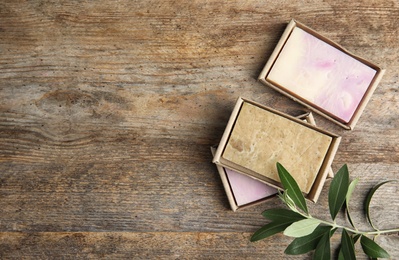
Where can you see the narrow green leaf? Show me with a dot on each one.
(351, 188)
(288, 201)
(270, 229)
(341, 255)
(356, 238)
(292, 188)
(302, 227)
(282, 215)
(347, 246)
(372, 249)
(368, 200)
(303, 245)
(348, 197)
(338, 190)
(280, 194)
(323, 250)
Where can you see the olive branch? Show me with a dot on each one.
(314, 234)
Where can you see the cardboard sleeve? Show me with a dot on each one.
(311, 106)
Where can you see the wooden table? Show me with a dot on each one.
(108, 110)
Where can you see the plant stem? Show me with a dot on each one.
(355, 231)
(334, 225)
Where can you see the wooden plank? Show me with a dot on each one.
(186, 245)
(169, 245)
(133, 245)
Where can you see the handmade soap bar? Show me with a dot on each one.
(246, 189)
(311, 69)
(261, 138)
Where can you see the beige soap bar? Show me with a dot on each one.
(261, 138)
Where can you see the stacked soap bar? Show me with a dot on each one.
(321, 74)
(246, 189)
(261, 138)
(243, 191)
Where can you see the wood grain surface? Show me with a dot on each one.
(108, 110)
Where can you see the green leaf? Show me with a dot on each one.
(347, 246)
(323, 250)
(351, 188)
(338, 190)
(270, 230)
(341, 255)
(372, 249)
(356, 238)
(302, 227)
(368, 200)
(287, 200)
(303, 245)
(348, 197)
(292, 188)
(282, 215)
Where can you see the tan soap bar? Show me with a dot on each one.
(261, 138)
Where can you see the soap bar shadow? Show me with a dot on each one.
(270, 47)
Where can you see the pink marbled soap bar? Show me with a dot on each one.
(246, 189)
(321, 74)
